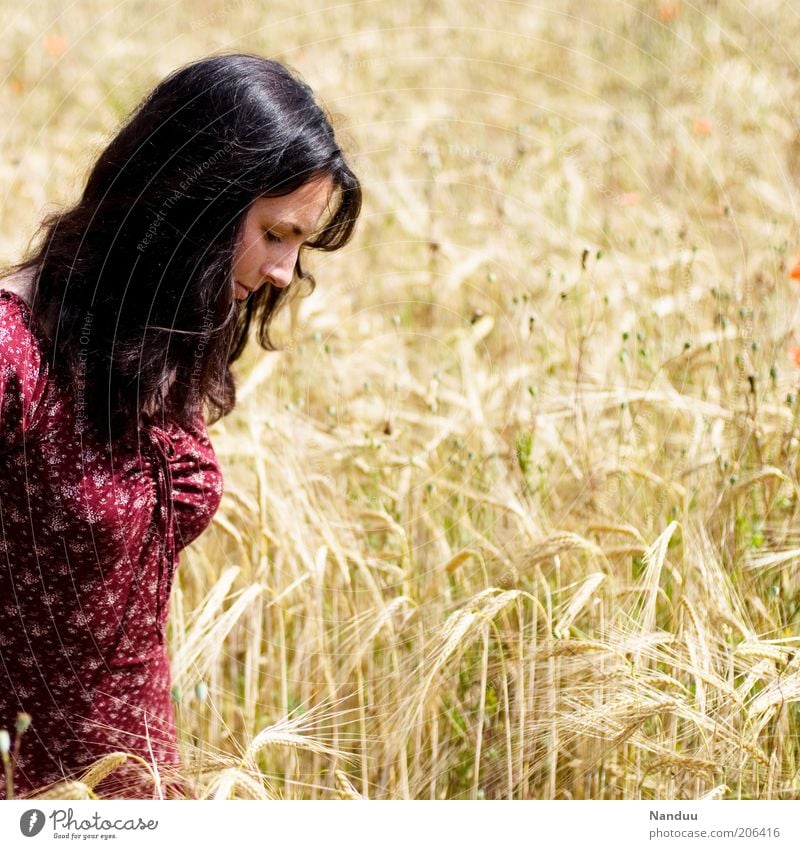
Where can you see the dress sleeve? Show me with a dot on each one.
(22, 379)
(197, 483)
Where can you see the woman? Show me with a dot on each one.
(114, 333)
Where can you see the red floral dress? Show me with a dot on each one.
(89, 541)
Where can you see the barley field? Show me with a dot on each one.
(514, 512)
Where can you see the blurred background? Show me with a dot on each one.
(514, 512)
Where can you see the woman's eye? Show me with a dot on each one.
(271, 237)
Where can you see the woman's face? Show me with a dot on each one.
(274, 231)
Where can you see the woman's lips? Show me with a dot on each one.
(241, 292)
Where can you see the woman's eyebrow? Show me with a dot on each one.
(295, 228)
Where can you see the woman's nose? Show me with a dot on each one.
(280, 273)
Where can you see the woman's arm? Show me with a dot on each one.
(197, 482)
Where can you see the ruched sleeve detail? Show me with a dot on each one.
(197, 485)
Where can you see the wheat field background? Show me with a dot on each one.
(514, 514)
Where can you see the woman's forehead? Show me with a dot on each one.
(300, 210)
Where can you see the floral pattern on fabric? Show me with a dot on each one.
(90, 536)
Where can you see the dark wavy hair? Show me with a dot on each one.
(133, 284)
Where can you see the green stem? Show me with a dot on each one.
(9, 772)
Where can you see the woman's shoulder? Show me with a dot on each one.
(20, 283)
(16, 331)
(17, 320)
(21, 345)
(23, 364)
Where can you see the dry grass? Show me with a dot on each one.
(514, 515)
